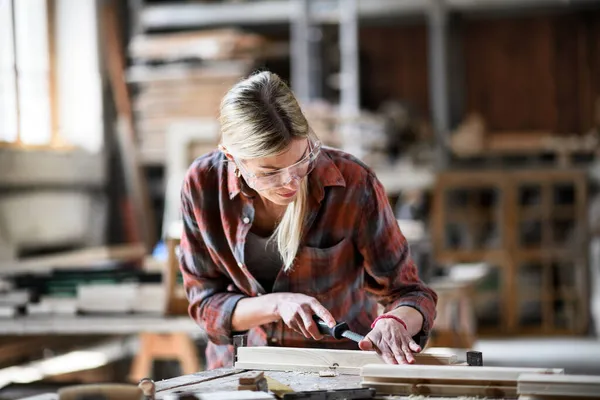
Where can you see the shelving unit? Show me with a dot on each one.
(303, 16)
(531, 226)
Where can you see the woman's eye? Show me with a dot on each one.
(265, 174)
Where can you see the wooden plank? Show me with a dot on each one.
(449, 373)
(250, 378)
(142, 228)
(315, 360)
(559, 385)
(442, 389)
(91, 256)
(52, 74)
(188, 380)
(225, 379)
(235, 395)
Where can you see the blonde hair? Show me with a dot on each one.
(259, 118)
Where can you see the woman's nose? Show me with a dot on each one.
(293, 183)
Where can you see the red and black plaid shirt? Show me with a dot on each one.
(352, 254)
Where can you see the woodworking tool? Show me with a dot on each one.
(339, 331)
(334, 394)
(474, 358)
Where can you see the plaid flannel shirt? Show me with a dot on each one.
(352, 254)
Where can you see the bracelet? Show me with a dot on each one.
(384, 316)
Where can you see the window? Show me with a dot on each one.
(26, 72)
(50, 80)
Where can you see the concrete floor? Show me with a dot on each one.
(575, 355)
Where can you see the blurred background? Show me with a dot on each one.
(480, 117)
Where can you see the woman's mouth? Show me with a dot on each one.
(287, 194)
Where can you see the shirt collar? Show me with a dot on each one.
(325, 174)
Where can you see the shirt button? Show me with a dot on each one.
(240, 265)
(246, 220)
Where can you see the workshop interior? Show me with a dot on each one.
(480, 119)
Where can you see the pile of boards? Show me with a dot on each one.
(490, 382)
(437, 373)
(178, 77)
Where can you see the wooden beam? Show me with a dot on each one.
(443, 374)
(52, 73)
(424, 389)
(138, 204)
(559, 385)
(315, 360)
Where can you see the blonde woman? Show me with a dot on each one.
(278, 229)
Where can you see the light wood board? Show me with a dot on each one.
(314, 360)
(433, 373)
(559, 385)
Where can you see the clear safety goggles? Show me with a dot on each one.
(282, 177)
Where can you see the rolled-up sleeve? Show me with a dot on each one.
(390, 273)
(210, 304)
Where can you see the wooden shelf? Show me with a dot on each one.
(541, 263)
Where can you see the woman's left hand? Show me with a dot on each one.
(391, 341)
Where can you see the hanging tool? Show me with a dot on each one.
(339, 331)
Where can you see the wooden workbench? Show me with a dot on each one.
(226, 379)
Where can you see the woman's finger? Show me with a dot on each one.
(414, 346)
(310, 325)
(410, 359)
(388, 354)
(322, 312)
(300, 327)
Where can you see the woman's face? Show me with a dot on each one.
(263, 167)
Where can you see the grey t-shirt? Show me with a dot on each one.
(262, 259)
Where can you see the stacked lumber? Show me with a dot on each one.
(93, 280)
(547, 387)
(455, 380)
(472, 138)
(365, 135)
(183, 76)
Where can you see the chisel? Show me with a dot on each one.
(339, 331)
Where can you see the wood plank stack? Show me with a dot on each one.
(428, 380)
(473, 138)
(183, 76)
(547, 387)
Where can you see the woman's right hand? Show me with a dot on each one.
(297, 310)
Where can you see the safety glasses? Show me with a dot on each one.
(282, 177)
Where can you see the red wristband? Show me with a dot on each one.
(384, 316)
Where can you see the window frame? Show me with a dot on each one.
(55, 142)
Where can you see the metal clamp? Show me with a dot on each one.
(238, 341)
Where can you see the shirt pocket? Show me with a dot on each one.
(324, 271)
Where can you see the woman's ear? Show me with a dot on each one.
(227, 154)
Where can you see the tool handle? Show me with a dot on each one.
(335, 332)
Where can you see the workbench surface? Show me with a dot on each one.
(226, 379)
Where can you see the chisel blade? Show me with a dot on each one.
(353, 336)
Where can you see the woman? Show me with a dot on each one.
(278, 229)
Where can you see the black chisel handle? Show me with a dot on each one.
(335, 332)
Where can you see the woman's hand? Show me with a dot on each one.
(391, 341)
(297, 311)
